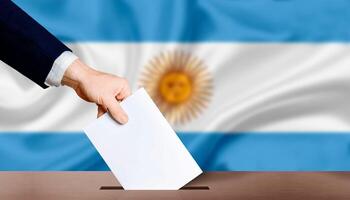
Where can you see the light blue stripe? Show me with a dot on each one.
(194, 20)
(213, 151)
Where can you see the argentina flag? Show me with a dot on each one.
(247, 85)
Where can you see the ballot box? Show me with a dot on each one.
(211, 185)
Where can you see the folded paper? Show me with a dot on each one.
(145, 153)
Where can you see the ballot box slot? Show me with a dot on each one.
(195, 188)
(183, 188)
(111, 188)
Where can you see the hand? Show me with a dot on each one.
(106, 90)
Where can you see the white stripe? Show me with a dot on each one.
(258, 87)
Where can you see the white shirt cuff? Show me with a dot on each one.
(60, 65)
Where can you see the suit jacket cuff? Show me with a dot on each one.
(60, 65)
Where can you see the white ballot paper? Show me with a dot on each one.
(145, 153)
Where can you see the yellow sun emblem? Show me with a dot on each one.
(180, 85)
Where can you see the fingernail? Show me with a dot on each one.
(123, 119)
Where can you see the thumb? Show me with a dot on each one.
(115, 110)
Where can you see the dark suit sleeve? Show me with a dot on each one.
(25, 45)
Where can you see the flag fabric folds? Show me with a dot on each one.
(247, 85)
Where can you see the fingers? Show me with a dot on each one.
(100, 111)
(115, 110)
(125, 92)
(110, 102)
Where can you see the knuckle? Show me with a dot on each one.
(100, 100)
(124, 81)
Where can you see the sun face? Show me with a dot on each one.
(175, 87)
(180, 85)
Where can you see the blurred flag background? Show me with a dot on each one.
(247, 85)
